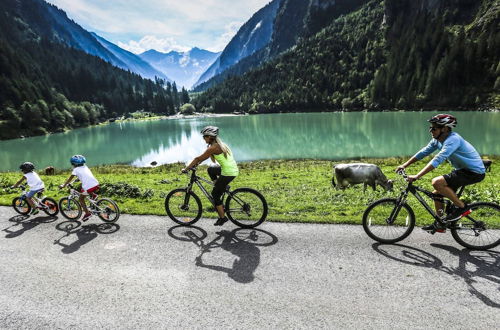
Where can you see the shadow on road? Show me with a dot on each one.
(479, 269)
(243, 243)
(84, 234)
(20, 225)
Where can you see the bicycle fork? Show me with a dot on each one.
(395, 211)
(185, 206)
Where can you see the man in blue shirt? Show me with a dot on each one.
(469, 167)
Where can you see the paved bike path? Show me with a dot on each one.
(148, 273)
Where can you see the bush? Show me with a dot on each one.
(187, 109)
(123, 189)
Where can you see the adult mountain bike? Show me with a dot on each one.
(44, 203)
(390, 220)
(104, 208)
(245, 207)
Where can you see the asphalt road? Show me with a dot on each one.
(145, 272)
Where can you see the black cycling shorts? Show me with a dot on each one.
(462, 177)
(221, 183)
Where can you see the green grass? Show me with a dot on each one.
(296, 190)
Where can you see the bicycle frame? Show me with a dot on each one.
(414, 191)
(195, 179)
(36, 200)
(75, 194)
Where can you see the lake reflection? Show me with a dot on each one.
(276, 136)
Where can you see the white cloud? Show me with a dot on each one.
(164, 45)
(208, 24)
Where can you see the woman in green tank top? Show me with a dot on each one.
(219, 152)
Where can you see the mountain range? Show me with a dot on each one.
(52, 23)
(183, 67)
(130, 61)
(251, 37)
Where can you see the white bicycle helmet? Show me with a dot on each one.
(210, 131)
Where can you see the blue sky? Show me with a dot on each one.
(164, 25)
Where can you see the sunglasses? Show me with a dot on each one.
(432, 129)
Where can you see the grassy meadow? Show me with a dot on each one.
(296, 190)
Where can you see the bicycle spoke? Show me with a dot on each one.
(388, 222)
(246, 207)
(69, 208)
(107, 210)
(183, 208)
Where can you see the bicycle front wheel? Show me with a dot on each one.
(70, 208)
(387, 221)
(480, 230)
(50, 206)
(107, 210)
(246, 207)
(184, 209)
(21, 205)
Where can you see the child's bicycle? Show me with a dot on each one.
(104, 208)
(46, 204)
(390, 220)
(245, 207)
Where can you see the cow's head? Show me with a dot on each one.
(389, 185)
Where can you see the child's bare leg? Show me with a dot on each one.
(82, 203)
(30, 202)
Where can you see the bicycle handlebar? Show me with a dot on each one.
(21, 186)
(70, 185)
(186, 170)
(402, 172)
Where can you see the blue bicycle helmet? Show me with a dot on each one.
(77, 160)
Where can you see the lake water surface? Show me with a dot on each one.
(332, 136)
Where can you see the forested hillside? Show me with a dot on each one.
(293, 20)
(393, 54)
(46, 86)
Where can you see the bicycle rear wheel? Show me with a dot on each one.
(386, 221)
(21, 205)
(184, 209)
(246, 207)
(70, 208)
(107, 210)
(50, 206)
(476, 231)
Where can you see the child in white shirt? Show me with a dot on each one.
(90, 185)
(34, 182)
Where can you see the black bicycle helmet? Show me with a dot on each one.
(210, 131)
(444, 120)
(27, 167)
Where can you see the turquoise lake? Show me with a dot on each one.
(333, 136)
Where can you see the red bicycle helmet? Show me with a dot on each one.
(444, 120)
